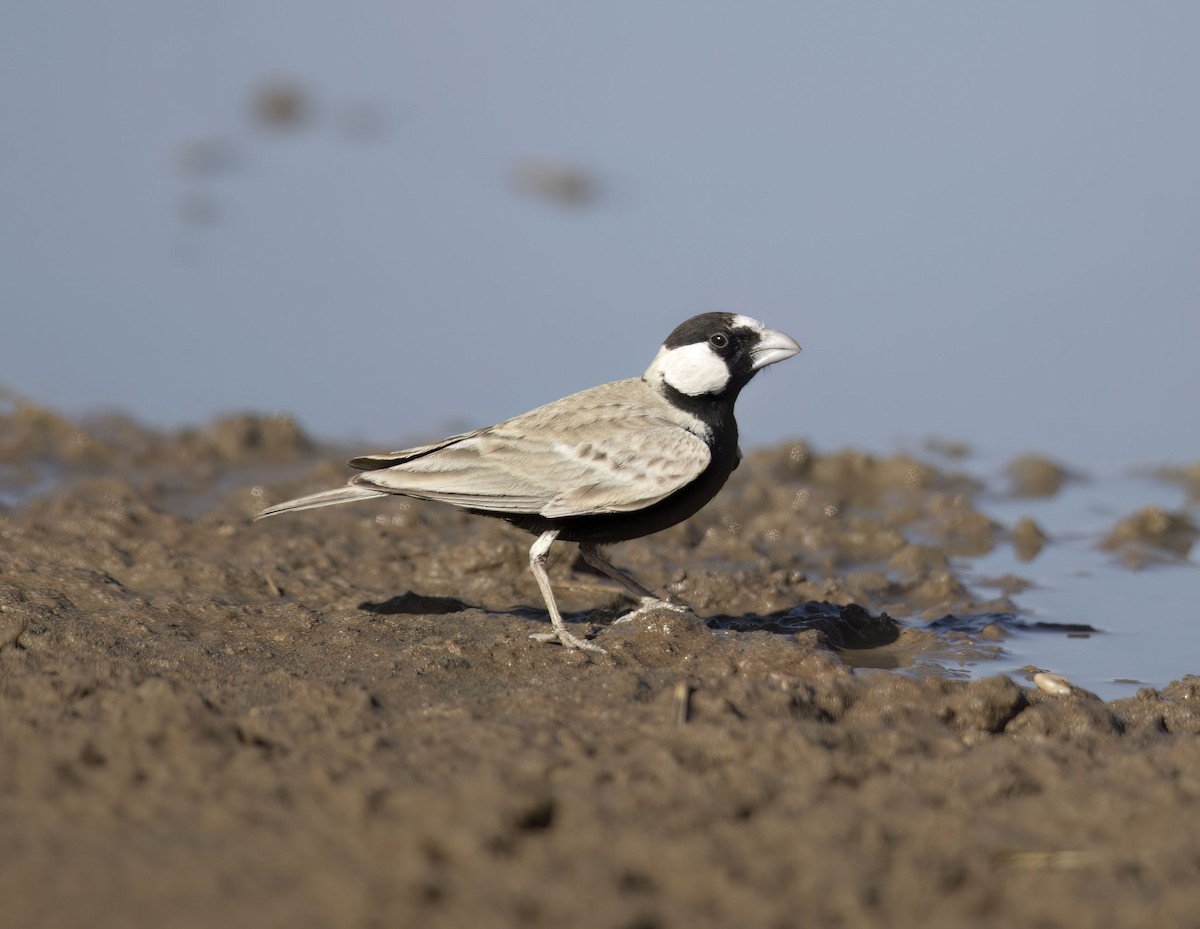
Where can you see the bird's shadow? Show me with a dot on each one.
(847, 626)
(411, 603)
(840, 626)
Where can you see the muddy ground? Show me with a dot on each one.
(337, 718)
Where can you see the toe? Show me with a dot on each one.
(568, 641)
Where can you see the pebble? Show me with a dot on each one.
(1054, 684)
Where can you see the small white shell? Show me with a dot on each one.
(1054, 684)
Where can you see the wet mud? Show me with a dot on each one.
(339, 718)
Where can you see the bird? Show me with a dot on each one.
(607, 464)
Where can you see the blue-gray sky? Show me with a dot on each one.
(982, 221)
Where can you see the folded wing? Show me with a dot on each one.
(607, 450)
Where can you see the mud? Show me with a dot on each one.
(1151, 535)
(339, 719)
(1034, 476)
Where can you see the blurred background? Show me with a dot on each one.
(391, 219)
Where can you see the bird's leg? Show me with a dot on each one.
(591, 554)
(537, 564)
(647, 601)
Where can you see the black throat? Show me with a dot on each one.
(714, 410)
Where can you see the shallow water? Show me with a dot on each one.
(1148, 620)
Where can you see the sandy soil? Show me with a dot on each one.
(338, 719)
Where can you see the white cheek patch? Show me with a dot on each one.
(692, 369)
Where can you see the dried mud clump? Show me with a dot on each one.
(342, 720)
(247, 436)
(1188, 476)
(1151, 534)
(1028, 539)
(30, 434)
(1034, 476)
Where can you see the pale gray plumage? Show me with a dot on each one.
(572, 467)
(536, 463)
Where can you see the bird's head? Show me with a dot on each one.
(716, 354)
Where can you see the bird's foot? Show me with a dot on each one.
(650, 605)
(568, 641)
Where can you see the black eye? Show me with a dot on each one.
(718, 340)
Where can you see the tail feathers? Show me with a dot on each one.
(324, 498)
